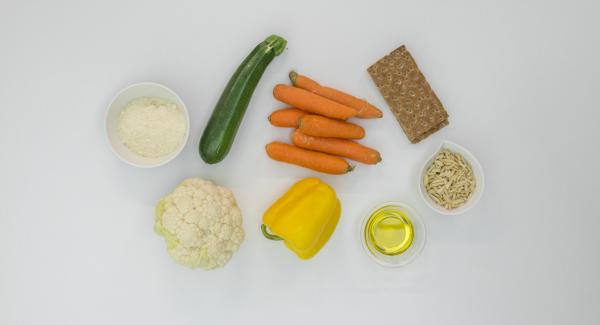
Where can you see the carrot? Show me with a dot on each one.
(320, 126)
(365, 110)
(338, 147)
(313, 103)
(286, 117)
(318, 161)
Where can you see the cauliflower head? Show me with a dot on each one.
(201, 224)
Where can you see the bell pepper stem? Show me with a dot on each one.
(268, 235)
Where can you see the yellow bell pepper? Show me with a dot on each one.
(304, 217)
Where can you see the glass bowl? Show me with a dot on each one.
(403, 255)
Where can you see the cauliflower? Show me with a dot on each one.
(201, 224)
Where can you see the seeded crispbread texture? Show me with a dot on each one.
(408, 94)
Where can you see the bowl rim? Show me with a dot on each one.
(168, 158)
(475, 165)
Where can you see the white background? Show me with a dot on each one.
(520, 80)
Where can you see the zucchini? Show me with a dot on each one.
(227, 115)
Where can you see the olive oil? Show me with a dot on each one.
(389, 231)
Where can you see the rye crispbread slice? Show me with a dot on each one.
(408, 94)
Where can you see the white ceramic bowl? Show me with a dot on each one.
(415, 249)
(142, 89)
(477, 173)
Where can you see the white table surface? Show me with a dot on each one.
(520, 80)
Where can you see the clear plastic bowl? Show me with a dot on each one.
(418, 243)
(477, 173)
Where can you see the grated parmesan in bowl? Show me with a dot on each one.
(452, 180)
(152, 127)
(147, 125)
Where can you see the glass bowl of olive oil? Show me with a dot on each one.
(393, 234)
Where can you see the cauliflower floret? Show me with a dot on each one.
(201, 224)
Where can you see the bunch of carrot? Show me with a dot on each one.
(321, 135)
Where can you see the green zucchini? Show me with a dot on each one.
(227, 115)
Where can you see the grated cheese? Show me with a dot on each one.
(152, 127)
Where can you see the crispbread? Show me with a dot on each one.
(408, 94)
